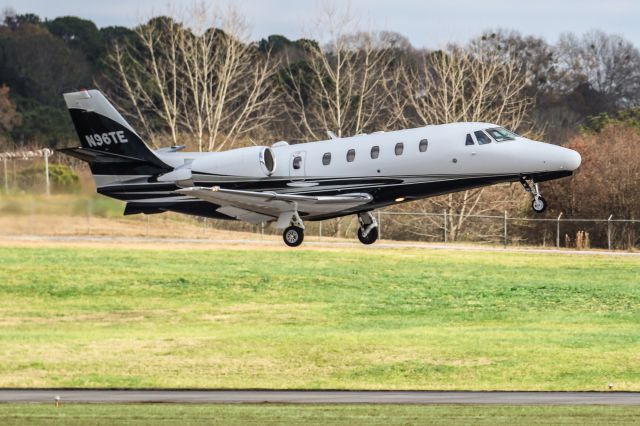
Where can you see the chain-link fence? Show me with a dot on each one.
(26, 209)
(89, 215)
(583, 233)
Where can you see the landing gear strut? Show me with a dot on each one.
(538, 204)
(368, 230)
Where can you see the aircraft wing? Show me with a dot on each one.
(256, 207)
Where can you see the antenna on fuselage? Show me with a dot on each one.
(332, 135)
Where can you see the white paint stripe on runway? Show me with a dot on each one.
(317, 397)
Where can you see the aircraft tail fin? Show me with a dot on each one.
(108, 143)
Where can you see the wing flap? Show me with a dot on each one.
(244, 215)
(270, 204)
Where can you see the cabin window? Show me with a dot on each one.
(326, 158)
(375, 152)
(351, 155)
(399, 148)
(482, 137)
(424, 144)
(297, 162)
(469, 140)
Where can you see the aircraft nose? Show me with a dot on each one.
(571, 159)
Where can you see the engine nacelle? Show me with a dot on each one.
(253, 161)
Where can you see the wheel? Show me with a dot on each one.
(293, 236)
(371, 237)
(539, 204)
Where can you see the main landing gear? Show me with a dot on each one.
(368, 230)
(293, 233)
(538, 204)
(293, 236)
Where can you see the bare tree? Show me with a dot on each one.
(463, 85)
(472, 84)
(340, 87)
(145, 75)
(534, 57)
(197, 77)
(229, 85)
(608, 63)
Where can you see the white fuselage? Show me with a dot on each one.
(446, 154)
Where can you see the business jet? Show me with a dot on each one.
(289, 184)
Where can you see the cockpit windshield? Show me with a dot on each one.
(500, 134)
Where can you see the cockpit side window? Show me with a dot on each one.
(469, 140)
(482, 137)
(501, 134)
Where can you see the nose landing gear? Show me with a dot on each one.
(538, 204)
(368, 230)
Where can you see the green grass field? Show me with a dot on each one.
(176, 414)
(340, 319)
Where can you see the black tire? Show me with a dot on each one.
(539, 205)
(293, 236)
(371, 237)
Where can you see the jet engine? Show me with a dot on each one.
(253, 161)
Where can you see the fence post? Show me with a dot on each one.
(379, 225)
(320, 231)
(6, 174)
(609, 231)
(444, 215)
(505, 228)
(89, 212)
(558, 230)
(46, 171)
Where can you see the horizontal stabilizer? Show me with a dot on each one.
(92, 156)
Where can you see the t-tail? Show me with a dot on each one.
(114, 151)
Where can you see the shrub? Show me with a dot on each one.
(62, 178)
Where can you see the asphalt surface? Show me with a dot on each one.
(316, 397)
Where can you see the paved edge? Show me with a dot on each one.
(316, 397)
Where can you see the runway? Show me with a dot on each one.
(204, 242)
(316, 397)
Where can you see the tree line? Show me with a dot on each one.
(193, 77)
